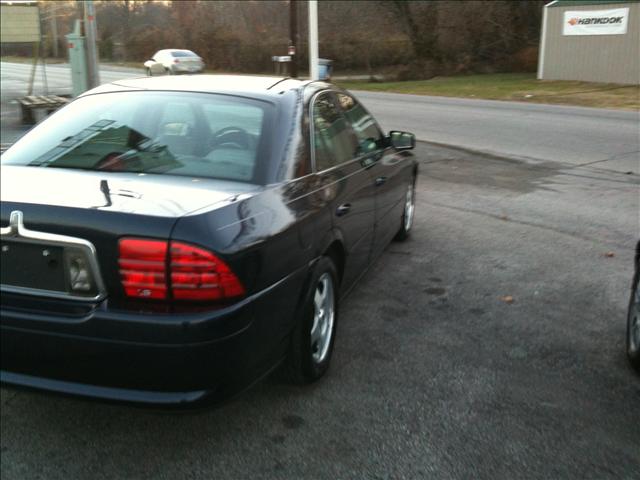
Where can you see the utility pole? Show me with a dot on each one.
(54, 35)
(92, 51)
(42, 55)
(293, 36)
(313, 39)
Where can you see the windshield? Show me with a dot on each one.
(172, 133)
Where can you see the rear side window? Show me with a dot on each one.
(333, 140)
(186, 53)
(164, 133)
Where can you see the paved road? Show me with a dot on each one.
(434, 376)
(608, 139)
(14, 78)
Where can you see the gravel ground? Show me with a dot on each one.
(437, 373)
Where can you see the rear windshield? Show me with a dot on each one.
(183, 54)
(168, 133)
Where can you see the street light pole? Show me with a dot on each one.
(313, 39)
(293, 36)
(92, 51)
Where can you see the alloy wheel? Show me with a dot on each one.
(323, 318)
(409, 208)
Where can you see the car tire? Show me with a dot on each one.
(314, 334)
(408, 213)
(633, 324)
(169, 71)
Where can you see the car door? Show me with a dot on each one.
(157, 68)
(346, 182)
(391, 171)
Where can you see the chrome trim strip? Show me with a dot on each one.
(16, 231)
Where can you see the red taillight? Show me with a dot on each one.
(197, 274)
(143, 267)
(176, 61)
(154, 268)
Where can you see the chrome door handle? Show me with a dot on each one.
(343, 209)
(381, 181)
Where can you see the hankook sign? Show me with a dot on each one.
(596, 22)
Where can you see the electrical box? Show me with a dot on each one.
(76, 45)
(325, 68)
(282, 64)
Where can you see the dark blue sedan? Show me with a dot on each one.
(172, 240)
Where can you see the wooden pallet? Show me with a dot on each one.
(50, 103)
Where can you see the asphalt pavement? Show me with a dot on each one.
(435, 373)
(54, 78)
(490, 345)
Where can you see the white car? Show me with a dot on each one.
(173, 62)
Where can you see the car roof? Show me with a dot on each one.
(169, 50)
(252, 85)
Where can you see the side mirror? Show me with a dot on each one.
(402, 140)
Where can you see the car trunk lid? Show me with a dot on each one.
(95, 207)
(135, 193)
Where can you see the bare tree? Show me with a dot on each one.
(405, 38)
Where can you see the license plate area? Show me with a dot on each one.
(33, 266)
(47, 264)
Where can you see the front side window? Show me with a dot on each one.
(370, 137)
(168, 133)
(333, 139)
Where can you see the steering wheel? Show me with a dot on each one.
(234, 137)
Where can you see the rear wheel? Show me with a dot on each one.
(406, 221)
(313, 337)
(633, 327)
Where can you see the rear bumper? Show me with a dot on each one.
(170, 399)
(163, 360)
(160, 374)
(187, 69)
